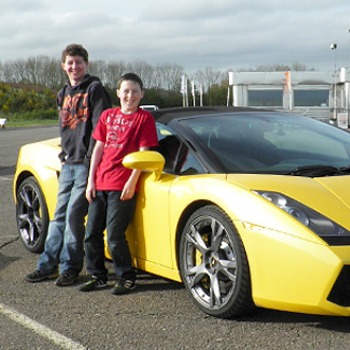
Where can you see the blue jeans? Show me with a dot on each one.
(108, 211)
(64, 241)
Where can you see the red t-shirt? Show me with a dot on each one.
(121, 134)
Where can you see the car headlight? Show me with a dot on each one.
(330, 231)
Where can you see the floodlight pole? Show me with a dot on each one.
(334, 47)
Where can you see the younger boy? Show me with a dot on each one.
(111, 187)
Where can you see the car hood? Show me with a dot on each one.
(329, 196)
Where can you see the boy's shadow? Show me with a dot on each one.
(6, 260)
(147, 282)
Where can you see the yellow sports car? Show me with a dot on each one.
(248, 208)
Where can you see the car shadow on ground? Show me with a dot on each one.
(330, 323)
(10, 170)
(148, 282)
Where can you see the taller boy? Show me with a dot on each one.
(80, 103)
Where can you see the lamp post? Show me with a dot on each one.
(334, 48)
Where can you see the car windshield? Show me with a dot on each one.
(271, 143)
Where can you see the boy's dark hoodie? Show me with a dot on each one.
(75, 120)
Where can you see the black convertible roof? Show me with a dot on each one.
(167, 114)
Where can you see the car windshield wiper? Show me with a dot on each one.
(318, 171)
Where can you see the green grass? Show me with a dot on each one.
(23, 123)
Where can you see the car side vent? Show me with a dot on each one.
(340, 293)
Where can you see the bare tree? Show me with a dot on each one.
(157, 78)
(44, 71)
(33, 70)
(114, 71)
(54, 75)
(13, 71)
(170, 76)
(281, 68)
(98, 68)
(47, 72)
(144, 70)
(208, 77)
(300, 67)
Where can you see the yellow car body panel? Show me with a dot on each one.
(45, 168)
(321, 194)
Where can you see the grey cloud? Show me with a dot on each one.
(223, 34)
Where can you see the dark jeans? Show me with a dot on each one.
(108, 211)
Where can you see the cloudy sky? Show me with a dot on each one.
(222, 34)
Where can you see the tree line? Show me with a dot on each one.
(31, 84)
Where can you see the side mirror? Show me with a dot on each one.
(150, 161)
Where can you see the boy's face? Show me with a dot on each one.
(76, 68)
(130, 95)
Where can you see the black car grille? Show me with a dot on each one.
(340, 293)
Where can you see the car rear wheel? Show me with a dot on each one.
(213, 264)
(32, 215)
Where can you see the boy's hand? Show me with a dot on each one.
(128, 191)
(90, 192)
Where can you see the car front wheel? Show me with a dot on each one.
(32, 215)
(213, 264)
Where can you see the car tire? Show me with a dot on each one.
(213, 264)
(32, 215)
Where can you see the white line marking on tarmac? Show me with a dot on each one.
(40, 329)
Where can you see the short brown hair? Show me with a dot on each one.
(75, 50)
(130, 76)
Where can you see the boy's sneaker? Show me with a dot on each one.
(38, 276)
(123, 287)
(66, 279)
(92, 284)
